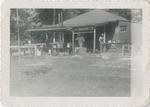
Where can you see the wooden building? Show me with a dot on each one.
(91, 25)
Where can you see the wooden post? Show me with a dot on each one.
(104, 33)
(46, 36)
(123, 50)
(54, 16)
(59, 22)
(31, 38)
(35, 50)
(59, 19)
(72, 41)
(54, 37)
(62, 37)
(54, 13)
(94, 40)
(61, 15)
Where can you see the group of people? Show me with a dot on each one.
(54, 48)
(81, 41)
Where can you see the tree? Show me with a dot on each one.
(32, 18)
(136, 15)
(27, 18)
(70, 13)
(126, 13)
(46, 16)
(133, 15)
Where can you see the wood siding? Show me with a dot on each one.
(122, 36)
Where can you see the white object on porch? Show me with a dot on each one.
(38, 51)
(80, 50)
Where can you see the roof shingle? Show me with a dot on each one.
(93, 17)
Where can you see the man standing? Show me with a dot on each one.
(80, 40)
(101, 41)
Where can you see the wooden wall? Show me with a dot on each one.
(122, 36)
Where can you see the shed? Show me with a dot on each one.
(91, 25)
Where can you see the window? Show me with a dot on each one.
(123, 28)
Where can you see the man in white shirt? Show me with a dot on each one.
(101, 41)
(80, 40)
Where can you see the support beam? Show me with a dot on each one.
(54, 16)
(46, 36)
(104, 33)
(60, 33)
(84, 32)
(94, 41)
(61, 18)
(62, 37)
(72, 41)
(30, 38)
(59, 22)
(54, 37)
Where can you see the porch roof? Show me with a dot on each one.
(49, 27)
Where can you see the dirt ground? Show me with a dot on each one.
(97, 75)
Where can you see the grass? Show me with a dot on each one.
(77, 75)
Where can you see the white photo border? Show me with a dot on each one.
(139, 82)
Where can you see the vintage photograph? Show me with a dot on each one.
(72, 52)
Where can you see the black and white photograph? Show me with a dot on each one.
(71, 52)
(75, 54)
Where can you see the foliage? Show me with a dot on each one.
(31, 18)
(134, 15)
(25, 18)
